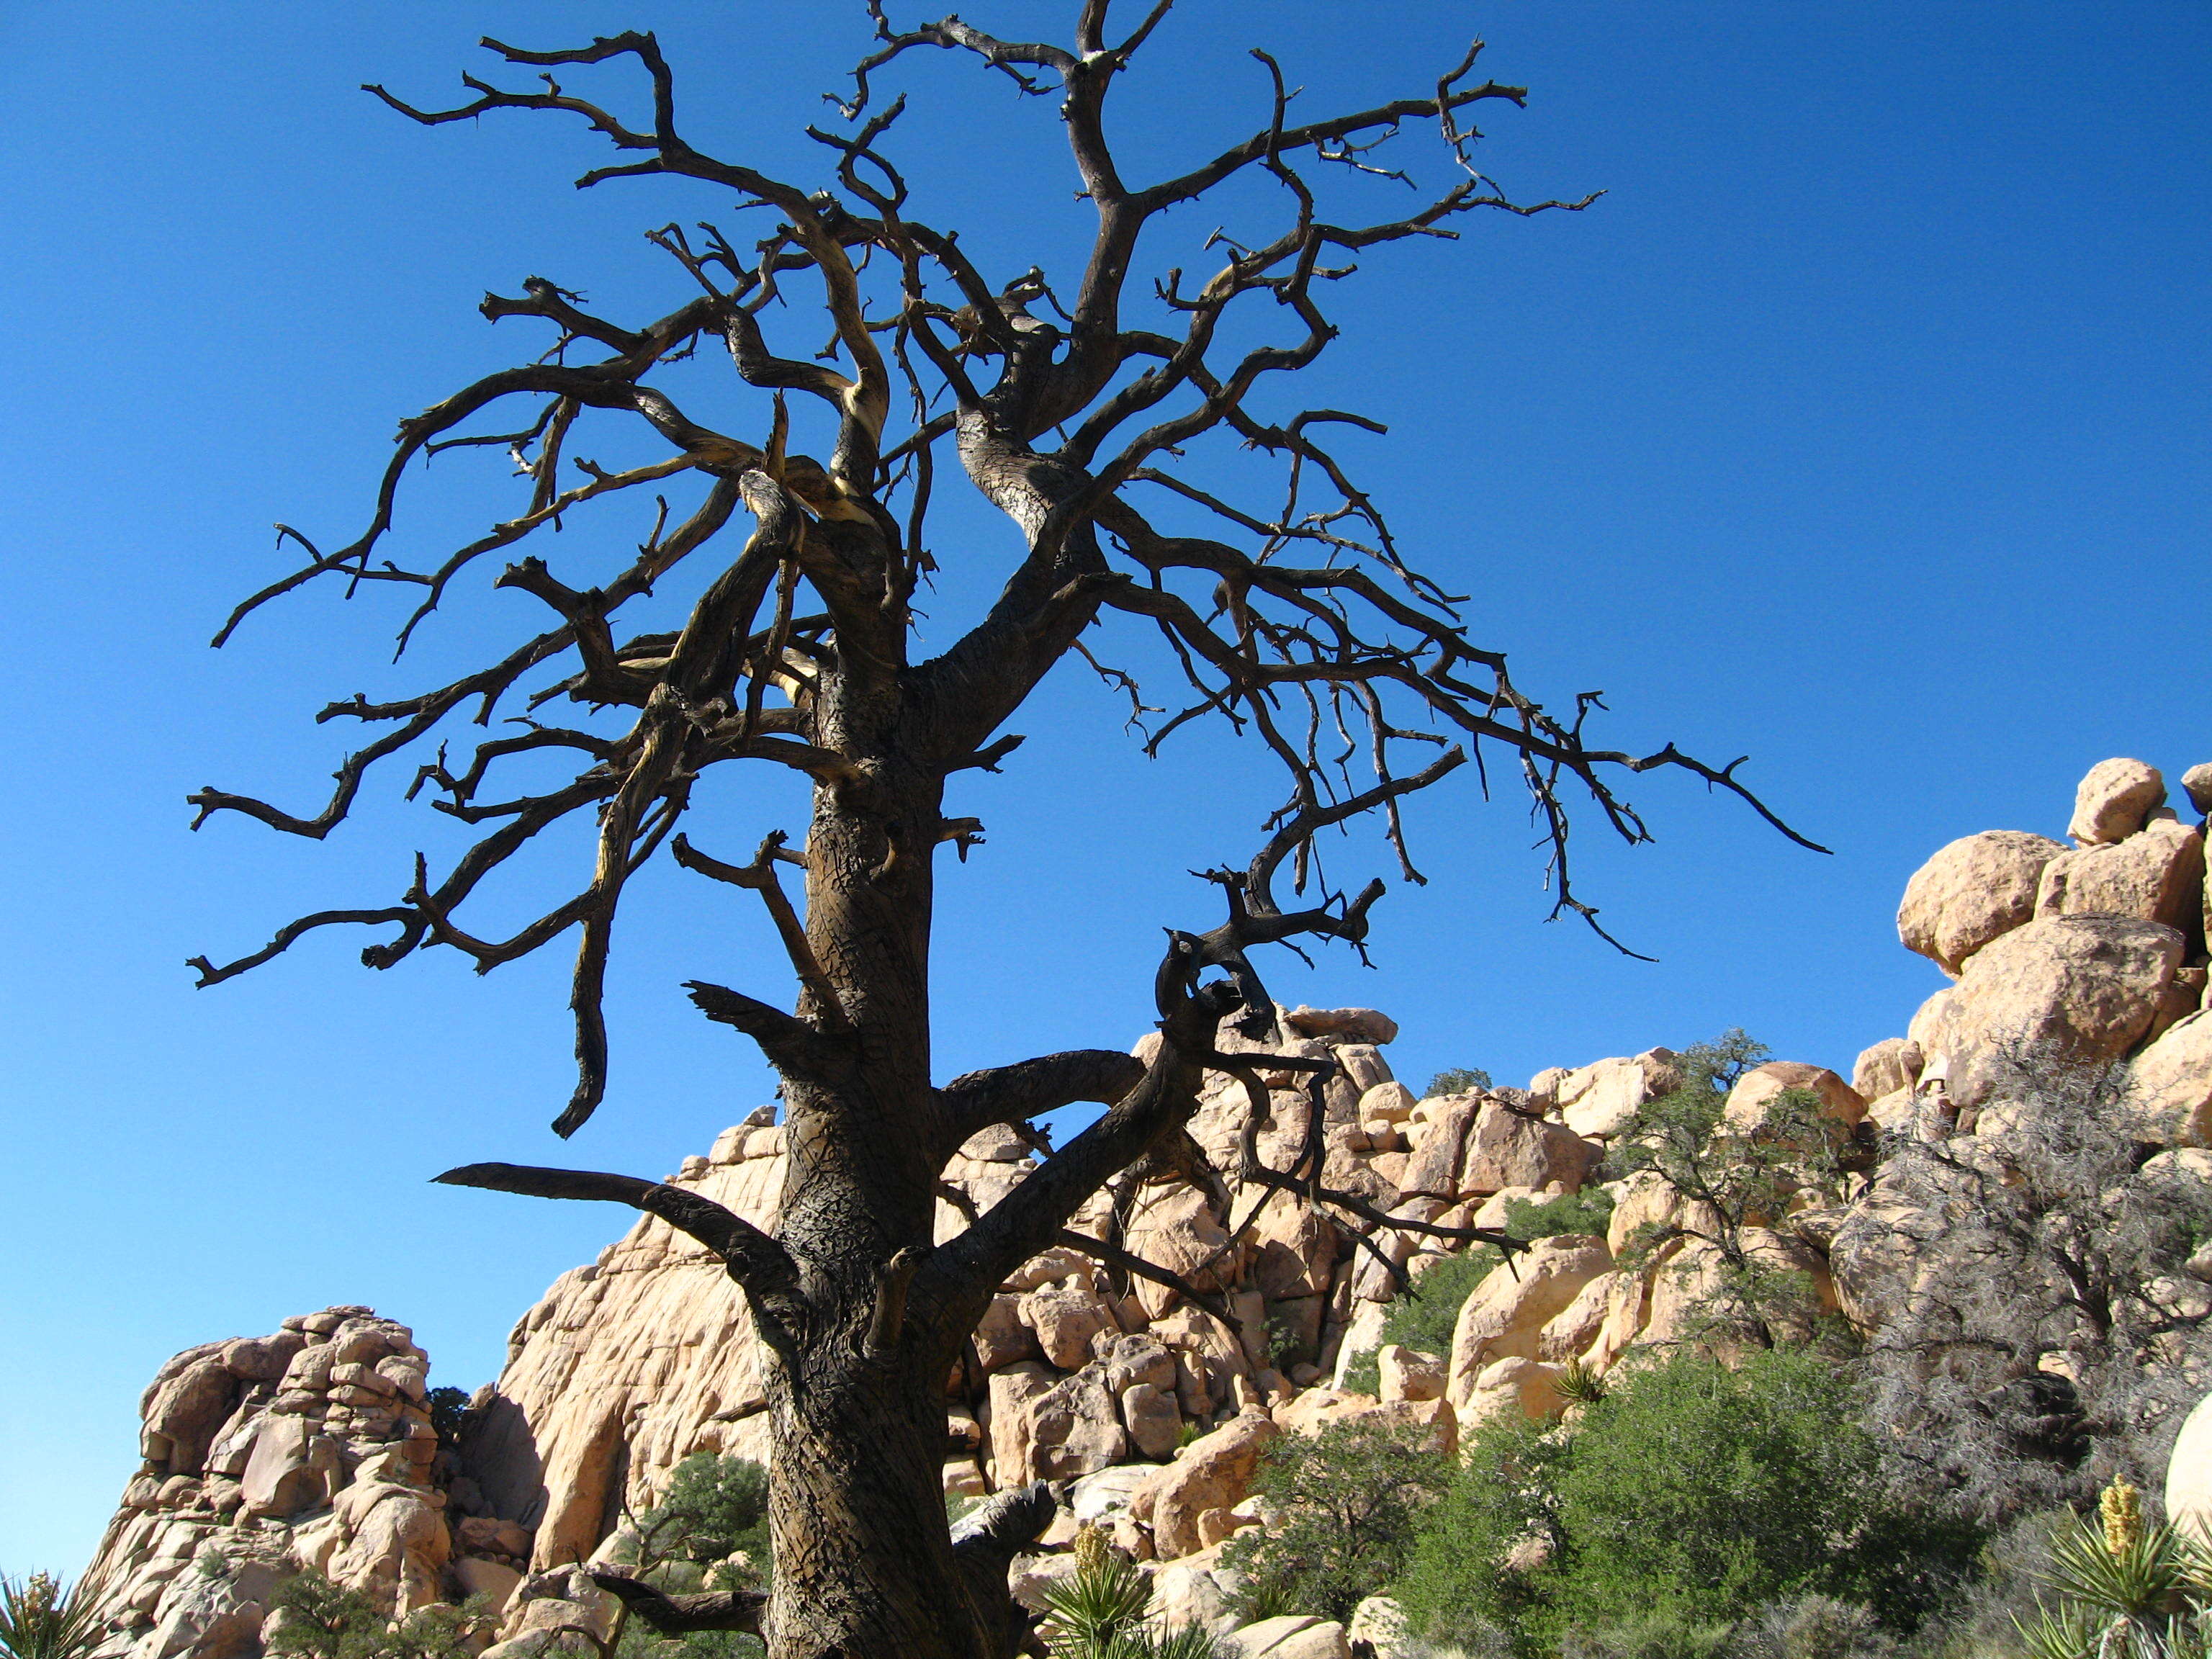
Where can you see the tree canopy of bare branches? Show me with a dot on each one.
(1093, 407)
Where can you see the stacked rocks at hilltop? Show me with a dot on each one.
(314, 1445)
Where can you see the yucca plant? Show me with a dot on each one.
(39, 1619)
(1578, 1385)
(2126, 1590)
(1099, 1613)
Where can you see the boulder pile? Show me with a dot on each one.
(314, 1447)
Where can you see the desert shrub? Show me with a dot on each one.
(714, 1506)
(1423, 1319)
(1688, 1498)
(319, 1620)
(449, 1408)
(2044, 1336)
(1345, 1505)
(1481, 1562)
(1456, 1080)
(41, 1617)
(1585, 1212)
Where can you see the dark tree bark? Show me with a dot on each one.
(1301, 623)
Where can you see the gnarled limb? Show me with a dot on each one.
(681, 1614)
(761, 1267)
(974, 1101)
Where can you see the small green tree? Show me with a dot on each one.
(1345, 1505)
(1690, 1495)
(1732, 1180)
(1423, 1319)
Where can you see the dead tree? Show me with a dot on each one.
(1088, 423)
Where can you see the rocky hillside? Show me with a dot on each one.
(315, 1446)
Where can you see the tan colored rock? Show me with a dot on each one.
(1513, 1383)
(2170, 1084)
(1505, 1315)
(2082, 988)
(1295, 1247)
(262, 1358)
(283, 1474)
(494, 1581)
(1761, 1086)
(1598, 1100)
(1360, 1337)
(184, 1413)
(2197, 781)
(1504, 1149)
(1892, 1114)
(1066, 1317)
(1012, 1391)
(1152, 1418)
(1370, 1280)
(1386, 1103)
(392, 1544)
(1405, 1374)
(1173, 1226)
(1075, 1428)
(1214, 1472)
(1432, 1171)
(1052, 1267)
(1293, 1636)
(1381, 1623)
(1353, 1025)
(1138, 1357)
(1002, 1337)
(1892, 1064)
(1574, 1329)
(2113, 801)
(1975, 890)
(1628, 1305)
(1646, 1199)
(2156, 875)
(2188, 1465)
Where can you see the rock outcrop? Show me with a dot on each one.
(315, 1446)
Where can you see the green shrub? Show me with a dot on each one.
(2123, 1590)
(1424, 1320)
(1346, 1502)
(1585, 1212)
(1456, 1080)
(324, 1620)
(1689, 1497)
(448, 1408)
(714, 1506)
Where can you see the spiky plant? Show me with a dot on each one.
(2125, 1590)
(1087, 1615)
(42, 1618)
(1099, 1613)
(1578, 1385)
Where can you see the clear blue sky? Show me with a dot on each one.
(1861, 427)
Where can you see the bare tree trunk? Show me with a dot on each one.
(857, 1485)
